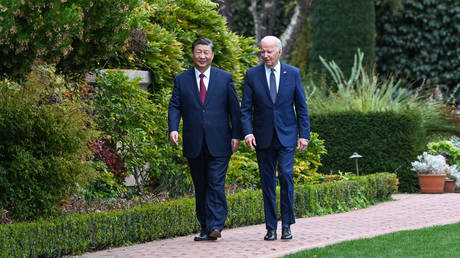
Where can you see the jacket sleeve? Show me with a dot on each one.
(246, 108)
(234, 108)
(174, 109)
(303, 119)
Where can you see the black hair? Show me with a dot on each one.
(203, 41)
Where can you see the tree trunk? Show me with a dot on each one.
(264, 17)
(302, 11)
(225, 9)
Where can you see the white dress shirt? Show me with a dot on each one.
(268, 71)
(205, 78)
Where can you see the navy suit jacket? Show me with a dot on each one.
(288, 116)
(218, 119)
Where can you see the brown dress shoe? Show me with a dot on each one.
(214, 233)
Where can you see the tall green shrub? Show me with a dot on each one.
(420, 43)
(170, 27)
(44, 131)
(74, 34)
(338, 29)
(388, 141)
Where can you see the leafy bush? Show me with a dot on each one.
(136, 129)
(243, 170)
(84, 232)
(449, 148)
(170, 27)
(44, 131)
(74, 34)
(364, 91)
(420, 42)
(125, 115)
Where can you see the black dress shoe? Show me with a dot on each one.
(204, 237)
(214, 233)
(286, 233)
(271, 235)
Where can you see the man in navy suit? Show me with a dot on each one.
(274, 121)
(206, 99)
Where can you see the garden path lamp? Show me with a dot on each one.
(356, 156)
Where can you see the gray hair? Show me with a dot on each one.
(272, 38)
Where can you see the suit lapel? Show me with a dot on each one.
(211, 85)
(283, 74)
(264, 81)
(194, 85)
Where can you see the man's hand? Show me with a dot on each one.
(174, 137)
(235, 144)
(302, 144)
(250, 141)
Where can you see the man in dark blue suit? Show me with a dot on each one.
(206, 99)
(274, 121)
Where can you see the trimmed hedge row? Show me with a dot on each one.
(84, 232)
(388, 141)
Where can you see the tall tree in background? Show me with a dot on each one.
(265, 19)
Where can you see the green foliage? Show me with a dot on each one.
(338, 29)
(168, 165)
(171, 27)
(243, 21)
(74, 34)
(387, 141)
(421, 42)
(125, 115)
(301, 52)
(365, 91)
(308, 162)
(78, 233)
(44, 131)
(153, 48)
(449, 148)
(244, 171)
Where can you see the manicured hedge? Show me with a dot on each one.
(96, 231)
(388, 141)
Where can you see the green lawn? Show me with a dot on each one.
(439, 241)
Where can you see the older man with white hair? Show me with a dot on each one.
(274, 121)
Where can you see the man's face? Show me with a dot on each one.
(202, 57)
(270, 53)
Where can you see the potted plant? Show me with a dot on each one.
(432, 171)
(449, 185)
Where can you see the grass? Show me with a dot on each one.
(438, 241)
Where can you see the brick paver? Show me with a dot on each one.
(408, 211)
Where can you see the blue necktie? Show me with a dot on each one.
(273, 85)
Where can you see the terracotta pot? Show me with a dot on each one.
(449, 186)
(431, 183)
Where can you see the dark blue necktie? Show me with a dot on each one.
(273, 85)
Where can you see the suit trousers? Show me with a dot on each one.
(208, 175)
(268, 159)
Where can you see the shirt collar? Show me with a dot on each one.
(206, 73)
(277, 67)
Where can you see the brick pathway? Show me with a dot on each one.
(408, 211)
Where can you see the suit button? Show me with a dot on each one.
(204, 110)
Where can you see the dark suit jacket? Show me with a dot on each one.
(218, 119)
(261, 117)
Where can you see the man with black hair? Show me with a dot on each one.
(206, 100)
